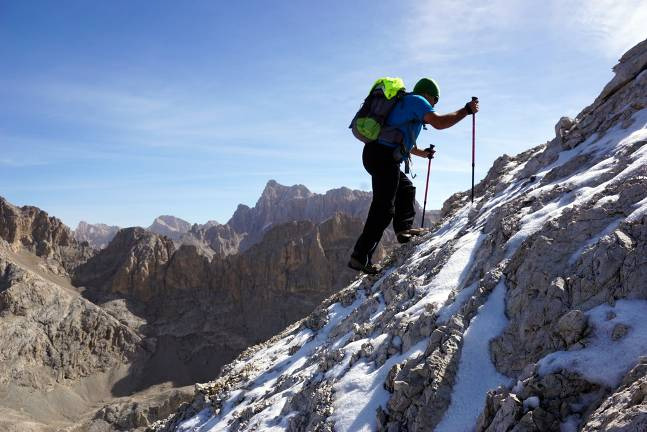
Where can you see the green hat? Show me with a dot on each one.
(427, 85)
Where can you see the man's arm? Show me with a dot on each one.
(448, 120)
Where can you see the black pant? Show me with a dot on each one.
(393, 198)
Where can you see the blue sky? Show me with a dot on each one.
(120, 111)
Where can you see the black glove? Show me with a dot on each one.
(467, 105)
(430, 151)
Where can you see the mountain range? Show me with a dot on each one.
(277, 204)
(105, 338)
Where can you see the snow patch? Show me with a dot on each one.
(451, 276)
(531, 403)
(599, 361)
(571, 424)
(193, 422)
(607, 200)
(446, 312)
(361, 391)
(641, 209)
(476, 372)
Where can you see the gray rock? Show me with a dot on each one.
(619, 331)
(508, 415)
(563, 126)
(626, 408)
(571, 326)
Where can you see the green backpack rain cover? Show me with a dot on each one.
(369, 123)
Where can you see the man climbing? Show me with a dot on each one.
(393, 193)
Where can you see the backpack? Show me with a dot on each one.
(368, 125)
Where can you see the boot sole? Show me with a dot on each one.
(363, 269)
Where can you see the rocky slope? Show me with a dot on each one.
(523, 311)
(60, 354)
(63, 357)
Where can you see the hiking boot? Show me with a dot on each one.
(369, 268)
(405, 236)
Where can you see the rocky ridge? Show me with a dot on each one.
(532, 299)
(170, 226)
(277, 204)
(47, 237)
(280, 204)
(97, 235)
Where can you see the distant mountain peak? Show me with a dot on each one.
(276, 192)
(170, 226)
(97, 235)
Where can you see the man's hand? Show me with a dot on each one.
(473, 106)
(427, 153)
(431, 151)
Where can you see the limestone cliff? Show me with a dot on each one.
(228, 303)
(33, 229)
(130, 265)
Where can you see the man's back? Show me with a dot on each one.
(409, 113)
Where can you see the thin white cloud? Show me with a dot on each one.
(23, 163)
(153, 147)
(611, 26)
(174, 118)
(104, 99)
(439, 31)
(442, 30)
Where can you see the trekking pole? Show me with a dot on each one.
(473, 147)
(424, 207)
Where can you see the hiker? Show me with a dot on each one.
(393, 193)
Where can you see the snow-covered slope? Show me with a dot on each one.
(523, 311)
